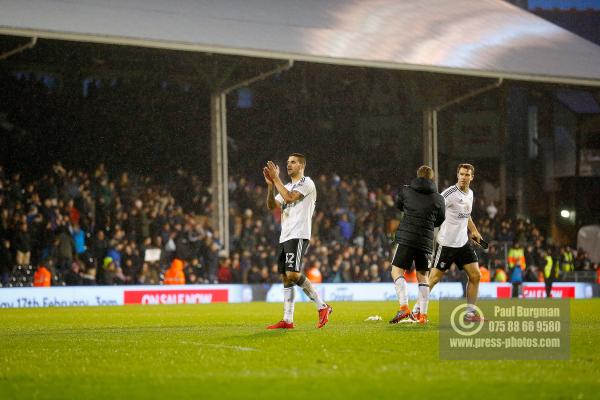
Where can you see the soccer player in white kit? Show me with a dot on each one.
(297, 201)
(453, 242)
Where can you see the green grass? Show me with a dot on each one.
(223, 351)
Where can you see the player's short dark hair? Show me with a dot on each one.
(466, 166)
(425, 171)
(300, 157)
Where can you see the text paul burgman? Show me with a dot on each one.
(526, 312)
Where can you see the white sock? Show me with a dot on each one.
(471, 308)
(401, 290)
(417, 307)
(423, 297)
(310, 291)
(289, 295)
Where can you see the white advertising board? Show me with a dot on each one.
(201, 294)
(121, 295)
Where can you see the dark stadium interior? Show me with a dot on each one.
(123, 104)
(146, 112)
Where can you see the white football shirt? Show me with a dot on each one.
(296, 217)
(454, 231)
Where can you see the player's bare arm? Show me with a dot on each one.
(288, 197)
(473, 229)
(271, 202)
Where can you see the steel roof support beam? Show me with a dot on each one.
(19, 49)
(220, 162)
(430, 125)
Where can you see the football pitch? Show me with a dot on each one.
(222, 351)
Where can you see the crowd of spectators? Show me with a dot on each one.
(521, 243)
(86, 227)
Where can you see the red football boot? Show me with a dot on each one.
(402, 314)
(282, 325)
(472, 316)
(324, 315)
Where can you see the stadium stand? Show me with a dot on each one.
(90, 228)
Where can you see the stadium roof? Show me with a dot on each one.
(487, 38)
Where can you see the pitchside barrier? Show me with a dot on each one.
(66, 296)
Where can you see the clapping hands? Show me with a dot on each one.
(270, 172)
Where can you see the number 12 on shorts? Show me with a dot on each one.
(289, 258)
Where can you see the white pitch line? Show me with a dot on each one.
(221, 346)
